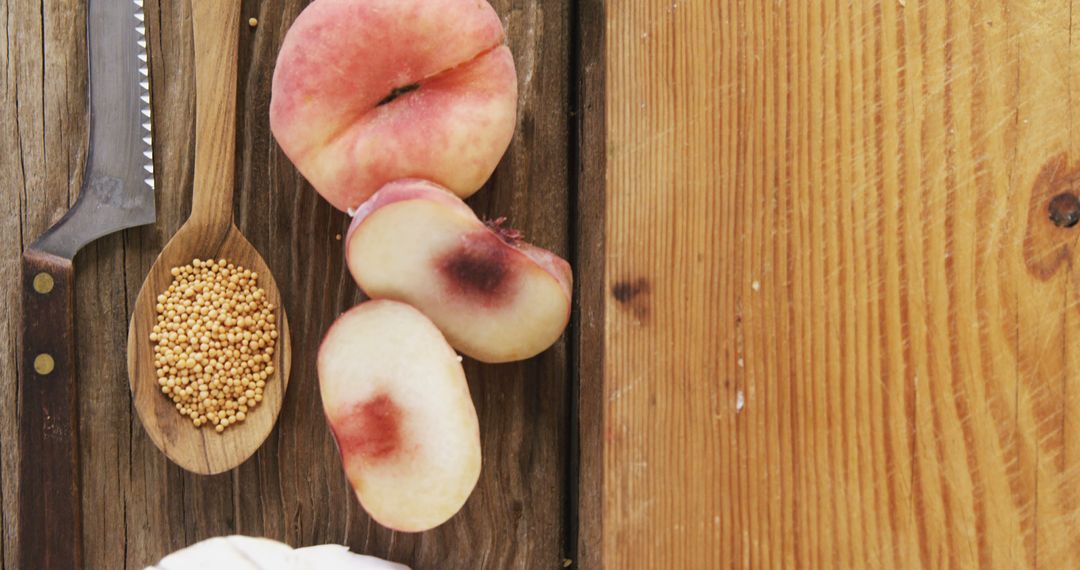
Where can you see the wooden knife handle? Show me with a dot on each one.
(49, 503)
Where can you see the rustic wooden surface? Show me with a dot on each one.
(840, 327)
(587, 448)
(136, 505)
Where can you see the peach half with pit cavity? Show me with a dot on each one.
(495, 297)
(396, 399)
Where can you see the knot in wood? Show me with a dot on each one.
(1065, 210)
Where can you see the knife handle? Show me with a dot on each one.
(50, 520)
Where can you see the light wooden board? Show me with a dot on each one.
(840, 330)
(136, 505)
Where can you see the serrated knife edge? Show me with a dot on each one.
(145, 106)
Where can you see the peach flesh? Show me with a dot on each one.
(495, 298)
(370, 91)
(396, 399)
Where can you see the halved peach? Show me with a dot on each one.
(496, 298)
(370, 91)
(395, 396)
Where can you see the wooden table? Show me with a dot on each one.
(824, 319)
(136, 505)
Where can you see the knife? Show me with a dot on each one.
(117, 192)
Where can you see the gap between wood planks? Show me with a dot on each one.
(583, 524)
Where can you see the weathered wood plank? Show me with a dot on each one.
(840, 322)
(591, 156)
(43, 126)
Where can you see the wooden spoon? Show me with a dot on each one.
(209, 233)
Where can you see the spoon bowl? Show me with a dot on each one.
(209, 233)
(202, 450)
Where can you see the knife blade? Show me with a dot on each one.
(117, 192)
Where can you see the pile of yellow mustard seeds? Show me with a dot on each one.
(214, 342)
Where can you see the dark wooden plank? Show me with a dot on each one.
(43, 132)
(589, 323)
(137, 506)
(17, 56)
(298, 489)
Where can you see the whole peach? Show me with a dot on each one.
(369, 91)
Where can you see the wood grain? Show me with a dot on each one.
(48, 416)
(589, 318)
(839, 323)
(38, 121)
(208, 233)
(137, 505)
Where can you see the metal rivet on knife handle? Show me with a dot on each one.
(43, 283)
(44, 364)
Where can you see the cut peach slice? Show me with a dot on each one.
(370, 91)
(395, 396)
(496, 298)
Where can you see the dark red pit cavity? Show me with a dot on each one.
(478, 269)
(371, 429)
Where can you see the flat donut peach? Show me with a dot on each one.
(495, 297)
(370, 91)
(396, 398)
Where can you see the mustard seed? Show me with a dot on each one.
(213, 341)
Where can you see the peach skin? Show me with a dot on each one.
(369, 91)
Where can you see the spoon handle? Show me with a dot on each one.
(216, 25)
